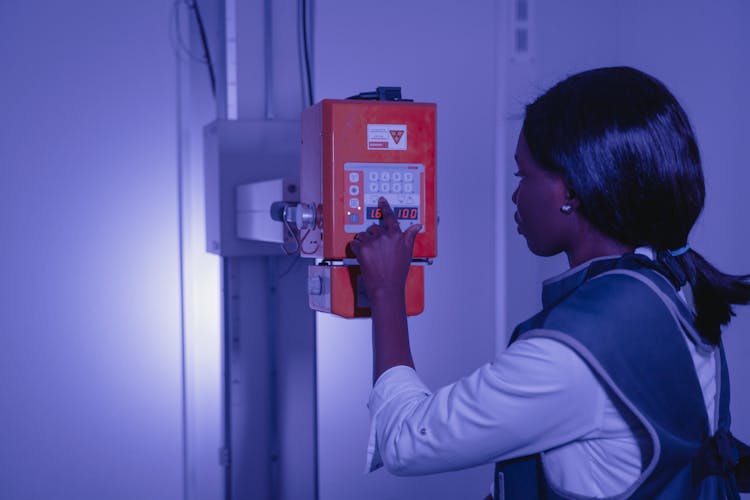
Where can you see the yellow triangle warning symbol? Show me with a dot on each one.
(396, 134)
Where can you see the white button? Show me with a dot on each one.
(354, 190)
(374, 187)
(385, 176)
(372, 200)
(411, 199)
(396, 188)
(354, 202)
(354, 176)
(373, 176)
(408, 177)
(396, 176)
(385, 187)
(408, 188)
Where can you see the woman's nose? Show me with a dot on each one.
(514, 198)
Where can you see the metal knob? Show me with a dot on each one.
(305, 216)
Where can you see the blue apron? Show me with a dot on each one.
(626, 321)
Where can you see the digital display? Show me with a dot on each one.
(401, 213)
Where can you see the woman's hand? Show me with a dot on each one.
(384, 254)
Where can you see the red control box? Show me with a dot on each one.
(354, 152)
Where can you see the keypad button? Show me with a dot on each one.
(354, 176)
(385, 176)
(396, 187)
(354, 190)
(396, 176)
(373, 176)
(354, 202)
(374, 187)
(354, 218)
(372, 200)
(408, 177)
(385, 188)
(408, 188)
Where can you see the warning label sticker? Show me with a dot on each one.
(380, 136)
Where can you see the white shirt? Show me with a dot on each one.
(537, 395)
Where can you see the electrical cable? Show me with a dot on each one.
(175, 35)
(306, 53)
(302, 241)
(291, 266)
(194, 5)
(293, 235)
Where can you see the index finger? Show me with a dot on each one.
(389, 218)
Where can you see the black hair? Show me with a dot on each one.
(625, 148)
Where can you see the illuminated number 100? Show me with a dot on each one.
(406, 213)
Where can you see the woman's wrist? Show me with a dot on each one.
(387, 295)
(387, 299)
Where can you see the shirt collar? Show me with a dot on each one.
(556, 287)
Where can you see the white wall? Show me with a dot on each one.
(441, 52)
(90, 331)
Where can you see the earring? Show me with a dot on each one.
(566, 209)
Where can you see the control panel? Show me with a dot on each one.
(400, 184)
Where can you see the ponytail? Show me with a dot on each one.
(714, 293)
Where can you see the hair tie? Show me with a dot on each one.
(670, 268)
(680, 251)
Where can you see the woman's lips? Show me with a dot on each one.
(517, 218)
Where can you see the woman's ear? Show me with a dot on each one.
(571, 198)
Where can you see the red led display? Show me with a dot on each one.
(402, 213)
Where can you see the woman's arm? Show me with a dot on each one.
(384, 254)
(537, 395)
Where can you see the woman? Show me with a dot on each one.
(618, 386)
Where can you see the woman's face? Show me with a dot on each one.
(538, 199)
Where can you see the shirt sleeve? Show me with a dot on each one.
(536, 395)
